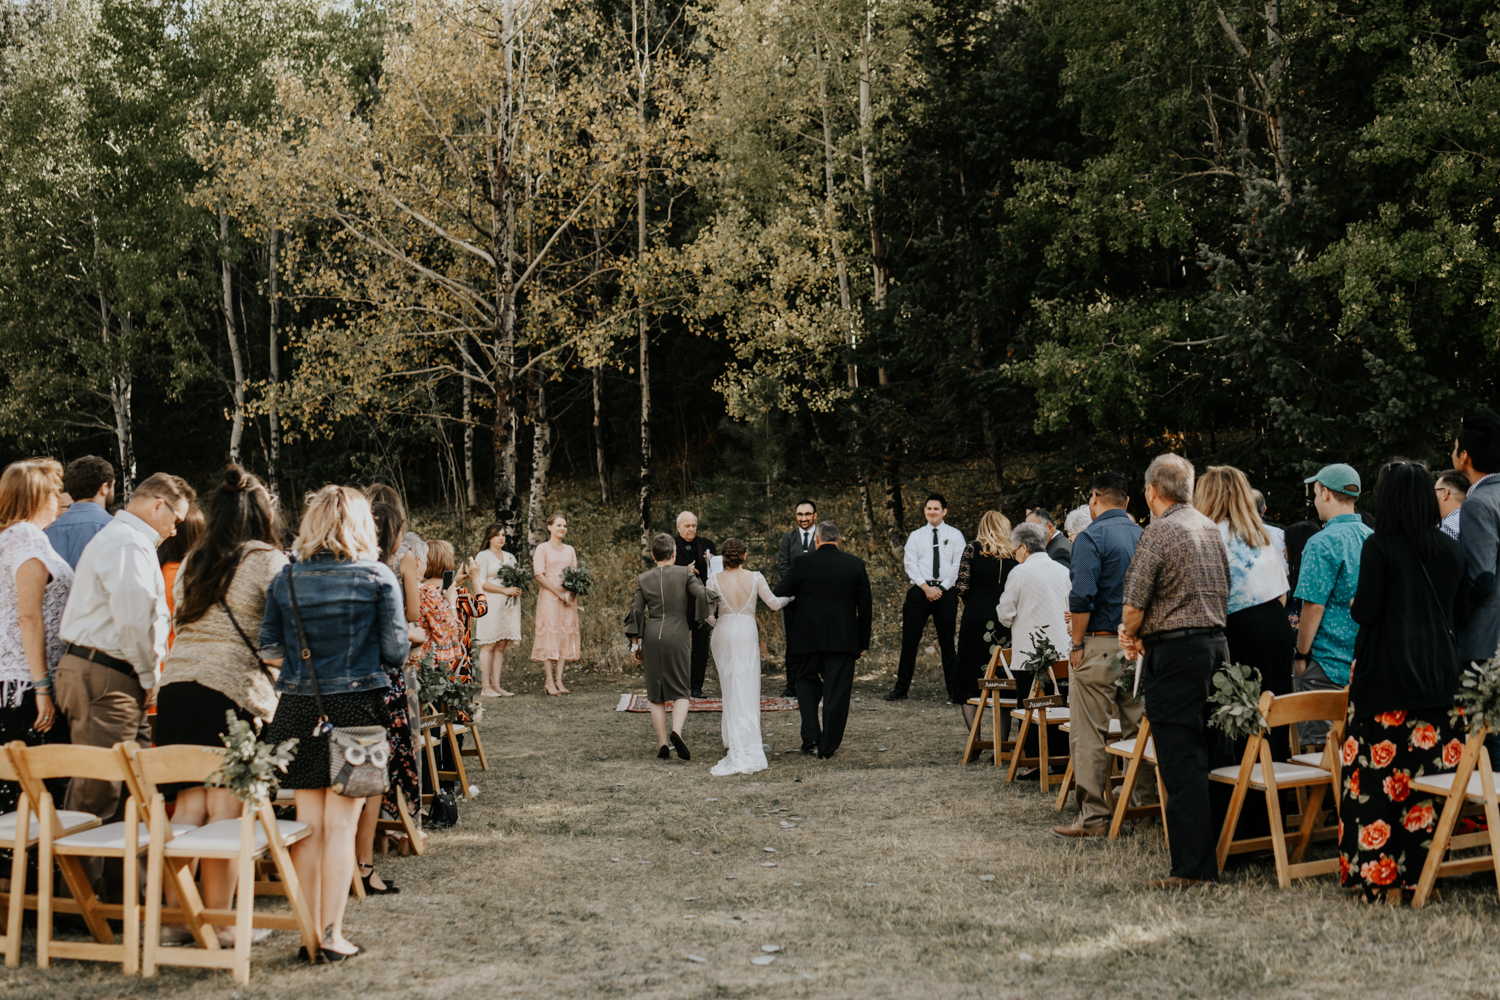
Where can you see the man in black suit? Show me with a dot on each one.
(830, 631)
(694, 551)
(1059, 549)
(794, 544)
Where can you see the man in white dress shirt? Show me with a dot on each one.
(933, 553)
(115, 627)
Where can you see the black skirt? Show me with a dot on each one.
(297, 713)
(187, 712)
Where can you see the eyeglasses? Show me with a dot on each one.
(177, 518)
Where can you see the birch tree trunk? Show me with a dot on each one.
(541, 464)
(601, 459)
(274, 358)
(641, 45)
(504, 255)
(471, 496)
(237, 428)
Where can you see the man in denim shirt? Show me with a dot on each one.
(90, 481)
(1326, 584)
(1101, 553)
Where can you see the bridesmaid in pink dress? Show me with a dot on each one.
(556, 609)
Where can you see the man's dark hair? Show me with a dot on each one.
(942, 500)
(1454, 480)
(85, 477)
(1479, 435)
(1407, 505)
(827, 531)
(811, 503)
(1111, 487)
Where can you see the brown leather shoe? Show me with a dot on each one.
(1075, 830)
(1176, 882)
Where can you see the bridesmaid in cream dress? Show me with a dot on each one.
(556, 609)
(502, 625)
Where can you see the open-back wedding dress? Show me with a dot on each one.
(736, 648)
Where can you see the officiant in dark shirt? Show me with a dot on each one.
(694, 551)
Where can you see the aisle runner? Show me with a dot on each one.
(638, 703)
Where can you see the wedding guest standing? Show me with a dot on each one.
(445, 616)
(1059, 548)
(1451, 488)
(1476, 453)
(933, 553)
(1176, 606)
(214, 667)
(1276, 534)
(115, 627)
(352, 628)
(1412, 593)
(34, 585)
(982, 572)
(794, 544)
(1034, 601)
(90, 481)
(557, 638)
(170, 554)
(501, 626)
(694, 551)
(668, 599)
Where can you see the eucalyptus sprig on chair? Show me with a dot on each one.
(436, 687)
(1125, 680)
(1236, 690)
(1043, 655)
(251, 769)
(1479, 693)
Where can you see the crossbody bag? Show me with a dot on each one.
(357, 755)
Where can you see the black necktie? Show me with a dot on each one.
(937, 571)
(804, 543)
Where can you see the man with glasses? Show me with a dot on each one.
(1451, 488)
(115, 627)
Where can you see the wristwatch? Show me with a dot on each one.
(1302, 656)
(1077, 647)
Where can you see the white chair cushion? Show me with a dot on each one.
(1054, 715)
(1310, 759)
(1126, 748)
(1442, 784)
(1284, 771)
(69, 820)
(111, 837)
(225, 836)
(1002, 702)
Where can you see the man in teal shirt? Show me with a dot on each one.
(1326, 585)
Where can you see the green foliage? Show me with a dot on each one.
(578, 580)
(513, 575)
(1479, 694)
(1125, 682)
(1043, 655)
(251, 769)
(455, 698)
(1236, 692)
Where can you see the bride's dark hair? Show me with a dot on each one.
(734, 551)
(242, 512)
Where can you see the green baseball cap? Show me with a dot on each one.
(1339, 478)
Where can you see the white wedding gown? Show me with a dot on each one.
(736, 648)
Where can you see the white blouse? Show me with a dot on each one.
(19, 544)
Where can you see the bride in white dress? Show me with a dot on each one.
(736, 648)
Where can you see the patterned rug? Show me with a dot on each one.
(638, 703)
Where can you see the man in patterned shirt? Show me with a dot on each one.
(1325, 585)
(1176, 604)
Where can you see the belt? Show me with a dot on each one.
(1101, 633)
(103, 659)
(1156, 638)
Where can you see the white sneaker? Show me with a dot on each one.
(473, 791)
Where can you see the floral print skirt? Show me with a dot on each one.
(1385, 827)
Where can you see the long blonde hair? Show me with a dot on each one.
(1223, 494)
(338, 521)
(993, 535)
(25, 486)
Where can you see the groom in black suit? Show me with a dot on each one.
(829, 632)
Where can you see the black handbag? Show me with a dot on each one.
(442, 811)
(357, 755)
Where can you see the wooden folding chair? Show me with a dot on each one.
(256, 834)
(1258, 771)
(1463, 786)
(405, 823)
(998, 694)
(1333, 763)
(477, 749)
(1134, 753)
(22, 830)
(1069, 779)
(1042, 712)
(438, 721)
(56, 848)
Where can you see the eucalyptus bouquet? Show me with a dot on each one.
(1043, 655)
(457, 698)
(512, 575)
(1236, 690)
(578, 581)
(1479, 694)
(251, 770)
(1125, 680)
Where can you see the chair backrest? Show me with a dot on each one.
(36, 765)
(1305, 706)
(7, 768)
(182, 762)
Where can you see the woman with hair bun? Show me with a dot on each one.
(736, 648)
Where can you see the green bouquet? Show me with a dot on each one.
(251, 770)
(578, 581)
(1480, 693)
(1236, 690)
(436, 687)
(512, 575)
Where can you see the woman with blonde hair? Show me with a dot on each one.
(982, 572)
(34, 586)
(1257, 629)
(556, 609)
(342, 608)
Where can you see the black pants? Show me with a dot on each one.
(914, 615)
(701, 635)
(828, 677)
(1175, 681)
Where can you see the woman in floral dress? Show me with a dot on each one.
(556, 609)
(1403, 725)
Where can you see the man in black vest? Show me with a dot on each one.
(830, 631)
(794, 544)
(694, 551)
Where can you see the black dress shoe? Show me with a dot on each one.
(826, 756)
(698, 693)
(682, 750)
(330, 956)
(809, 748)
(896, 694)
(664, 752)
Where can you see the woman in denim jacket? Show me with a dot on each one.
(352, 613)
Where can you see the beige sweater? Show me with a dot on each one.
(209, 650)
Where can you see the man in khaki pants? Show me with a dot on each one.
(1101, 553)
(115, 627)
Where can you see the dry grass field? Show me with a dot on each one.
(586, 868)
